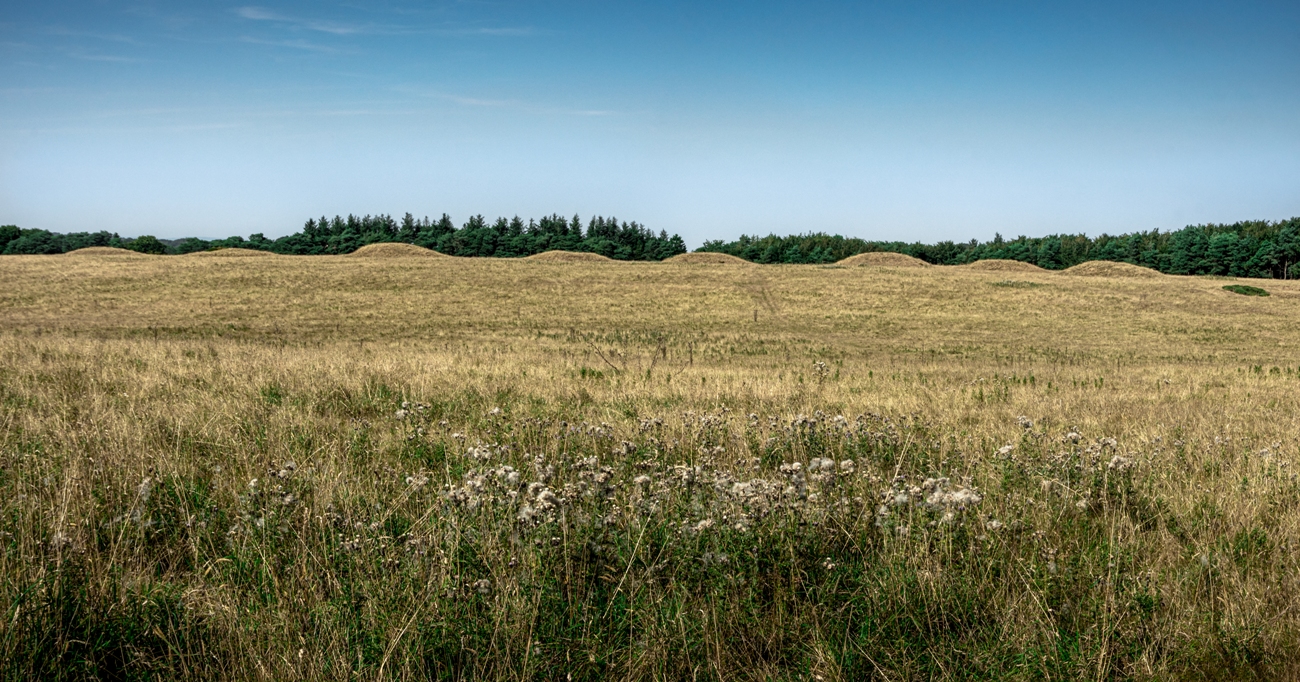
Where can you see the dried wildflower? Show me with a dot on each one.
(1024, 422)
(942, 498)
(526, 514)
(58, 541)
(993, 524)
(1005, 451)
(145, 488)
(483, 586)
(846, 466)
(1119, 464)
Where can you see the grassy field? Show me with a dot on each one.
(340, 468)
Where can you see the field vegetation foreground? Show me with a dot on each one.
(340, 468)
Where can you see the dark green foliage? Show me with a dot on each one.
(1257, 248)
(506, 238)
(1245, 290)
(8, 233)
(67, 627)
(18, 241)
(147, 244)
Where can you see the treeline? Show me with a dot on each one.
(502, 239)
(1246, 249)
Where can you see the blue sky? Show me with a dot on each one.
(909, 121)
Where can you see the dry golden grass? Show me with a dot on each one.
(1106, 268)
(232, 253)
(569, 257)
(394, 250)
(884, 259)
(139, 399)
(706, 258)
(1004, 265)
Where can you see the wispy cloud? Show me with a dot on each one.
(291, 44)
(489, 31)
(115, 59)
(477, 102)
(512, 104)
(331, 27)
(259, 14)
(74, 33)
(254, 13)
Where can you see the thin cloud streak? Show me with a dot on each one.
(253, 13)
(525, 107)
(109, 37)
(333, 28)
(292, 44)
(112, 59)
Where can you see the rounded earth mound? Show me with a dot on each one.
(106, 251)
(569, 257)
(707, 258)
(394, 250)
(1106, 268)
(1005, 265)
(232, 253)
(884, 259)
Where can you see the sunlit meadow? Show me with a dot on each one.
(434, 468)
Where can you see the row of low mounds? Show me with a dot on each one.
(394, 250)
(569, 257)
(1096, 268)
(1004, 265)
(884, 259)
(1106, 268)
(707, 258)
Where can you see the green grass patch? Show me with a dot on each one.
(1245, 290)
